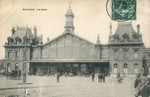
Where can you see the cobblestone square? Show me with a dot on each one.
(46, 86)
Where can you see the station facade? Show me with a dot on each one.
(72, 54)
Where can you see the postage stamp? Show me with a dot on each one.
(124, 10)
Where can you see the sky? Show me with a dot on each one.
(90, 18)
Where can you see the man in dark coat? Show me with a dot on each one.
(93, 76)
(103, 77)
(58, 75)
(137, 84)
(99, 77)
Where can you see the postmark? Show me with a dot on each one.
(123, 10)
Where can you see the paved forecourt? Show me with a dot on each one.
(47, 86)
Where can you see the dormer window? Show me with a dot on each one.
(125, 37)
(135, 36)
(116, 37)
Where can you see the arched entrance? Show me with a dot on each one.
(8, 67)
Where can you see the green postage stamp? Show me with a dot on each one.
(124, 10)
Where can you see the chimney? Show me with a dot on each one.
(138, 29)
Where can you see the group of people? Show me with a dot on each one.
(119, 78)
(101, 77)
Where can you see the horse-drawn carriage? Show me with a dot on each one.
(14, 74)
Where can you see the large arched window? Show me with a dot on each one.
(115, 65)
(115, 68)
(16, 66)
(135, 65)
(125, 65)
(9, 67)
(125, 68)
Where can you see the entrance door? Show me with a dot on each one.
(105, 70)
(102, 68)
(97, 69)
(34, 71)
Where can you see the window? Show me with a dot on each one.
(135, 53)
(83, 68)
(9, 67)
(115, 65)
(115, 54)
(16, 66)
(24, 55)
(52, 69)
(135, 65)
(9, 55)
(125, 68)
(125, 54)
(125, 65)
(16, 55)
(115, 68)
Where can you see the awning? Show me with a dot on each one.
(68, 61)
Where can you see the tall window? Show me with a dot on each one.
(83, 68)
(16, 55)
(136, 68)
(125, 68)
(136, 54)
(115, 54)
(115, 65)
(24, 55)
(8, 67)
(125, 54)
(16, 66)
(115, 68)
(125, 65)
(9, 55)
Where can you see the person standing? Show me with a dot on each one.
(118, 78)
(137, 84)
(58, 75)
(93, 76)
(103, 77)
(99, 77)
